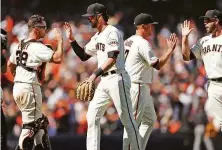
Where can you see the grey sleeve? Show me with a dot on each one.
(196, 49)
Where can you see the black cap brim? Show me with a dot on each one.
(204, 17)
(154, 23)
(88, 15)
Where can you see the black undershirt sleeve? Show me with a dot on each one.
(80, 52)
(192, 56)
(113, 54)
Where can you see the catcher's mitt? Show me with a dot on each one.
(85, 90)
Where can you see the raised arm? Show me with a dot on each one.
(58, 54)
(80, 52)
(186, 51)
(171, 43)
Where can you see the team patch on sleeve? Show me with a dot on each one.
(113, 43)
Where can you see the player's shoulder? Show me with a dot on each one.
(112, 30)
(129, 41)
(39, 46)
(205, 39)
(129, 38)
(142, 42)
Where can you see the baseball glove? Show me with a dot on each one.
(85, 90)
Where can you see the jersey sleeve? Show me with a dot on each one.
(147, 53)
(90, 48)
(113, 40)
(196, 49)
(43, 52)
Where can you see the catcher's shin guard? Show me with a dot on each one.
(45, 145)
(46, 142)
(27, 144)
(34, 127)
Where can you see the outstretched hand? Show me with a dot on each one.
(186, 28)
(171, 42)
(58, 34)
(68, 30)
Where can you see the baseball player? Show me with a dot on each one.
(209, 50)
(140, 64)
(108, 45)
(3, 70)
(27, 64)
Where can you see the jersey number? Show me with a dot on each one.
(21, 57)
(126, 53)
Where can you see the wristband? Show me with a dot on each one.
(98, 72)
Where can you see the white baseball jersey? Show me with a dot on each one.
(101, 44)
(139, 57)
(210, 50)
(34, 55)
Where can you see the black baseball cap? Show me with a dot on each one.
(143, 18)
(95, 9)
(212, 14)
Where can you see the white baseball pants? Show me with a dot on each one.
(115, 87)
(28, 98)
(144, 114)
(215, 100)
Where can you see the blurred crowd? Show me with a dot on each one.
(178, 90)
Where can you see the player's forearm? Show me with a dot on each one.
(185, 48)
(163, 59)
(79, 51)
(108, 64)
(58, 55)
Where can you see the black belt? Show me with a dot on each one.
(216, 79)
(109, 73)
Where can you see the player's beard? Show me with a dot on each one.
(95, 23)
(211, 28)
